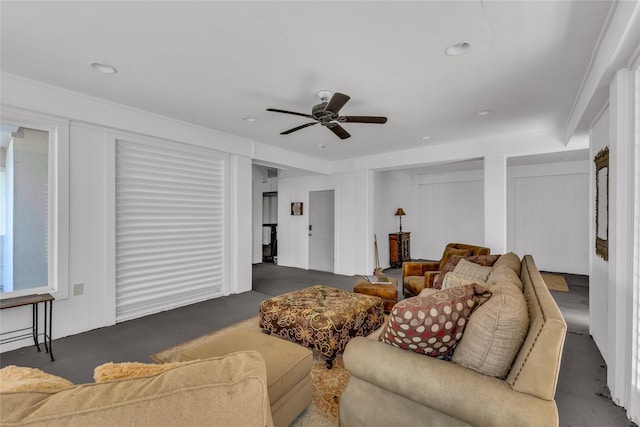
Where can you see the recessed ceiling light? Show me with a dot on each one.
(456, 49)
(103, 68)
(250, 119)
(483, 112)
(426, 138)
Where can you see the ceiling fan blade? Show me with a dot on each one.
(339, 131)
(362, 119)
(290, 112)
(336, 102)
(287, 132)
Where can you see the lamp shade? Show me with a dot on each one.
(400, 212)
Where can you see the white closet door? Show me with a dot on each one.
(170, 219)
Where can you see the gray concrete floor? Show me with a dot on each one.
(582, 396)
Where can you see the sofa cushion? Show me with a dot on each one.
(504, 274)
(511, 260)
(452, 280)
(495, 332)
(472, 271)
(192, 393)
(18, 378)
(433, 323)
(450, 265)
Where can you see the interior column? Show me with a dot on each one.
(495, 203)
(240, 229)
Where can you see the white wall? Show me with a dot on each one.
(239, 235)
(613, 301)
(353, 223)
(92, 202)
(599, 270)
(621, 211)
(548, 216)
(547, 211)
(451, 210)
(547, 208)
(393, 190)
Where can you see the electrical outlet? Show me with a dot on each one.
(78, 289)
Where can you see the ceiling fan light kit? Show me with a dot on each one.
(324, 95)
(327, 114)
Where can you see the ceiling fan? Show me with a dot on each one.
(326, 113)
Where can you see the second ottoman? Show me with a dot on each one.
(288, 365)
(388, 292)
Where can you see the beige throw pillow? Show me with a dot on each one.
(452, 280)
(472, 271)
(18, 378)
(495, 332)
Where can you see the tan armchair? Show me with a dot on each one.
(417, 275)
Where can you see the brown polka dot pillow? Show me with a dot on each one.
(432, 324)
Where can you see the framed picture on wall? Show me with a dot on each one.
(602, 203)
(296, 208)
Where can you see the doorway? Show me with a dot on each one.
(321, 230)
(270, 227)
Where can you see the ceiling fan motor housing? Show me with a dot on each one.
(324, 117)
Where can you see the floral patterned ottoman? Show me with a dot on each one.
(321, 318)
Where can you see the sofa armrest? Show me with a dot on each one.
(449, 388)
(429, 278)
(413, 285)
(417, 268)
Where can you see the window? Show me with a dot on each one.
(34, 186)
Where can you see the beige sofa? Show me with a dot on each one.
(226, 391)
(392, 386)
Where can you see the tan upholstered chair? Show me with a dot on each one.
(417, 275)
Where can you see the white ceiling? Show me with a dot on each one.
(215, 63)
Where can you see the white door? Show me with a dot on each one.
(321, 227)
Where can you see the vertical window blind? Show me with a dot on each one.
(170, 218)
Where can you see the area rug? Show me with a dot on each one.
(555, 282)
(328, 384)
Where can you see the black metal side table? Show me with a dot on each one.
(32, 300)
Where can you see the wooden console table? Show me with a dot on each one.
(32, 300)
